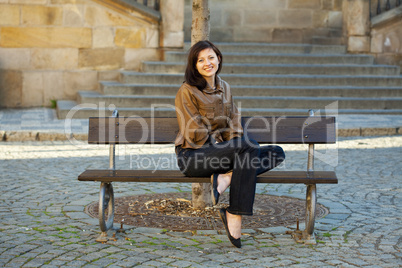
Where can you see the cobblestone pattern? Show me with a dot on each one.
(42, 223)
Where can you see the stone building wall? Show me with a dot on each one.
(50, 49)
(386, 37)
(277, 21)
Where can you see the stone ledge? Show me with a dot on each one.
(128, 6)
(20, 136)
(389, 16)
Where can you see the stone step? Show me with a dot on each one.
(333, 33)
(277, 48)
(115, 88)
(175, 56)
(247, 68)
(324, 40)
(144, 101)
(272, 80)
(73, 110)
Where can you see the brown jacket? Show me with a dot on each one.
(204, 113)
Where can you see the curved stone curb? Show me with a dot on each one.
(364, 132)
(19, 136)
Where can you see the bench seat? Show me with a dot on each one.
(107, 176)
(307, 130)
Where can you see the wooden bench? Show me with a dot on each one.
(113, 130)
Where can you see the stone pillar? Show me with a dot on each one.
(171, 31)
(357, 23)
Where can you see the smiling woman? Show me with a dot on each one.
(210, 141)
(208, 65)
(203, 56)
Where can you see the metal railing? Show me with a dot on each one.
(154, 4)
(379, 6)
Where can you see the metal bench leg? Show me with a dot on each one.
(106, 198)
(311, 200)
(307, 236)
(106, 210)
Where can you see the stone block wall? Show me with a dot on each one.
(50, 49)
(273, 21)
(386, 37)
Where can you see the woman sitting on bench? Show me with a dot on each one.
(211, 142)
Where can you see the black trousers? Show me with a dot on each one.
(246, 158)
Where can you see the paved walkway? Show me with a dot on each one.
(43, 224)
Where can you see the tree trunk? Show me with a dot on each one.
(200, 23)
(200, 31)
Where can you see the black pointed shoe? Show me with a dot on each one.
(214, 192)
(235, 241)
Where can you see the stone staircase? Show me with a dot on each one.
(266, 79)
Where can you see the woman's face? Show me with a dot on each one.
(207, 63)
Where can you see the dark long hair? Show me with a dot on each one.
(192, 76)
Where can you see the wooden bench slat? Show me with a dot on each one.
(154, 130)
(177, 176)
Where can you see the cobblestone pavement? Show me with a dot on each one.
(43, 224)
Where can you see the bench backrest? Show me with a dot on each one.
(162, 130)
